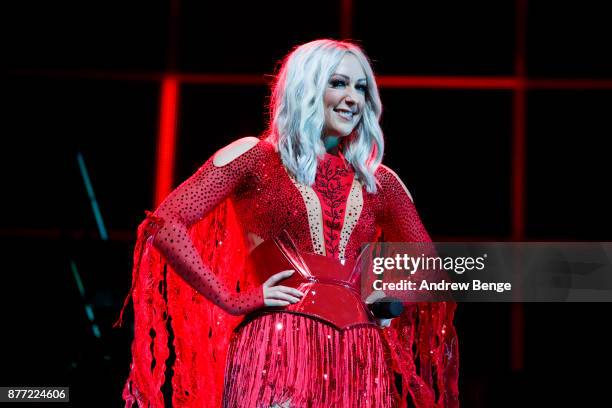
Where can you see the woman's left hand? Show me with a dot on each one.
(383, 322)
(373, 297)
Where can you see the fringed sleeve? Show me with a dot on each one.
(181, 338)
(423, 341)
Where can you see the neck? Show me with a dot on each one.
(331, 144)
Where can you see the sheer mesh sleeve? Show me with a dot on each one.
(400, 221)
(191, 201)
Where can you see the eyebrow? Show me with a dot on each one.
(348, 78)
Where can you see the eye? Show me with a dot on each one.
(335, 83)
(362, 88)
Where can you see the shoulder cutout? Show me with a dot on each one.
(233, 150)
(394, 175)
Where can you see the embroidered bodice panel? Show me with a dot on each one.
(333, 217)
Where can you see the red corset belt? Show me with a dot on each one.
(330, 286)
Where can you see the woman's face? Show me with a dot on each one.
(344, 98)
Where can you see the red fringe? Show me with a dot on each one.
(163, 302)
(285, 358)
(421, 344)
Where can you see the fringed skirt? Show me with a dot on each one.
(289, 360)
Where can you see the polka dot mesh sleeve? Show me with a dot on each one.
(424, 332)
(400, 220)
(191, 201)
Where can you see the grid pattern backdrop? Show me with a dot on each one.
(495, 116)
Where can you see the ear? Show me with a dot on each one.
(233, 150)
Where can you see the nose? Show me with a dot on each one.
(351, 97)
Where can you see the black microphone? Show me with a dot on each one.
(386, 308)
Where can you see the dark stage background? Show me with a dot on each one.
(496, 116)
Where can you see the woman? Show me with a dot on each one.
(317, 181)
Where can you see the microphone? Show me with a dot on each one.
(386, 308)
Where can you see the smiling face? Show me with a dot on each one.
(344, 98)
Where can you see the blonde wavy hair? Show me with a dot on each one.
(297, 116)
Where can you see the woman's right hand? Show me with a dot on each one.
(280, 295)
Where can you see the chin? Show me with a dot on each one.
(349, 131)
(343, 131)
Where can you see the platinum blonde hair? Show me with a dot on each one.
(297, 116)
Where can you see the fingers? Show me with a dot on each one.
(384, 322)
(288, 294)
(287, 289)
(374, 296)
(283, 296)
(274, 302)
(277, 277)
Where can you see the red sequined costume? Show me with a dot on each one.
(210, 223)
